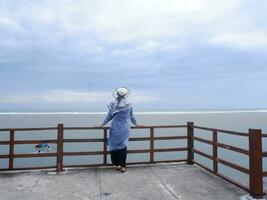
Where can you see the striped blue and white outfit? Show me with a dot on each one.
(121, 114)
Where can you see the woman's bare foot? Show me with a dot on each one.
(123, 169)
(118, 167)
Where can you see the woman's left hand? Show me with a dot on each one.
(140, 125)
(98, 125)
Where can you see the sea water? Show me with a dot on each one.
(230, 120)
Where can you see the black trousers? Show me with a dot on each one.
(118, 157)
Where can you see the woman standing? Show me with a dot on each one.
(121, 113)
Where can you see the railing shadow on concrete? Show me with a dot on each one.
(255, 153)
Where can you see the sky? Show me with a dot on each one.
(172, 54)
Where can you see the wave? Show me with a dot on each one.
(51, 113)
(139, 113)
(206, 112)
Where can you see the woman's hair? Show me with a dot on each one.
(119, 98)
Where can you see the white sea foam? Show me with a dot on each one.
(139, 113)
(204, 112)
(51, 113)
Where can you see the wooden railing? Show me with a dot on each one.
(255, 154)
(60, 141)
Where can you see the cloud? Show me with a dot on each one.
(56, 97)
(144, 99)
(244, 40)
(9, 23)
(164, 46)
(138, 25)
(70, 97)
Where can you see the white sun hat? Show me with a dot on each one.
(121, 92)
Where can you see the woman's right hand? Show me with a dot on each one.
(140, 125)
(98, 125)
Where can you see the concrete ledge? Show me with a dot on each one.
(141, 182)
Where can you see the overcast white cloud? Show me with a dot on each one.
(72, 97)
(170, 50)
(241, 40)
(143, 24)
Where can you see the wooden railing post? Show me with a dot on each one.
(105, 151)
(151, 145)
(60, 135)
(255, 164)
(215, 151)
(11, 149)
(190, 143)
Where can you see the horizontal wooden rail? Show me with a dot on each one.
(202, 140)
(133, 127)
(203, 128)
(81, 153)
(139, 151)
(86, 128)
(31, 155)
(84, 140)
(222, 145)
(4, 156)
(130, 139)
(163, 126)
(29, 129)
(171, 149)
(233, 148)
(91, 140)
(139, 139)
(224, 162)
(4, 142)
(5, 129)
(232, 132)
(34, 141)
(223, 131)
(170, 138)
(203, 154)
(234, 166)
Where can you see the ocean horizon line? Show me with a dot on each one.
(136, 112)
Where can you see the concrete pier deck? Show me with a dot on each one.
(141, 182)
